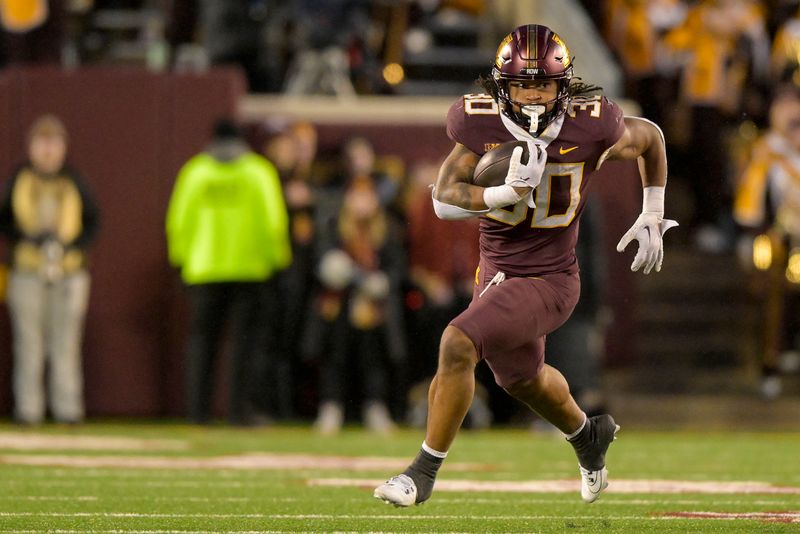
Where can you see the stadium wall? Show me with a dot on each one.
(130, 130)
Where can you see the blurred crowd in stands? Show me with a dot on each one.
(370, 264)
(704, 70)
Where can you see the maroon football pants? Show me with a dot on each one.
(508, 324)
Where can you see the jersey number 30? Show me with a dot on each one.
(557, 198)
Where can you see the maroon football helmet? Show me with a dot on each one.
(532, 52)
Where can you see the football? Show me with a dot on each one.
(492, 168)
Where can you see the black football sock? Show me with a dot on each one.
(585, 449)
(423, 472)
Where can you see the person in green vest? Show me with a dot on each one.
(227, 232)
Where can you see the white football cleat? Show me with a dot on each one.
(399, 491)
(593, 483)
(602, 431)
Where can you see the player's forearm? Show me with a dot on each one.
(654, 156)
(453, 185)
(461, 194)
(655, 165)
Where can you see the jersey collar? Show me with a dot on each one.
(546, 137)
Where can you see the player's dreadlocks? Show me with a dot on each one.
(576, 86)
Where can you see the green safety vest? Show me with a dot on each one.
(227, 221)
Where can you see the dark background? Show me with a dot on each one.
(131, 130)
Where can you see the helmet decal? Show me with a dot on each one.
(502, 57)
(565, 59)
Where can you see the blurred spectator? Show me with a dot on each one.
(305, 138)
(281, 150)
(227, 231)
(360, 161)
(767, 207)
(786, 50)
(634, 29)
(358, 325)
(49, 217)
(293, 153)
(631, 34)
(443, 256)
(723, 45)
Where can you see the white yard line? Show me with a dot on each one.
(29, 441)
(608, 500)
(783, 517)
(778, 517)
(416, 517)
(239, 462)
(567, 486)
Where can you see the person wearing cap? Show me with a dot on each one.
(228, 233)
(49, 217)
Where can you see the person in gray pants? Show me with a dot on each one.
(49, 218)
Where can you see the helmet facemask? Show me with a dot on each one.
(532, 117)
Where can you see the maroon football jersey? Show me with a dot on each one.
(523, 241)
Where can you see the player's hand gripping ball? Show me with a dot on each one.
(500, 166)
(492, 168)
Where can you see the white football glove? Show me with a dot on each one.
(648, 231)
(527, 174)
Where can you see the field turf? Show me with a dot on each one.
(160, 477)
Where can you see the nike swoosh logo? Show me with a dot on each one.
(562, 150)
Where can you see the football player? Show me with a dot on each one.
(527, 281)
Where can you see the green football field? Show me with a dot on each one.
(159, 477)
